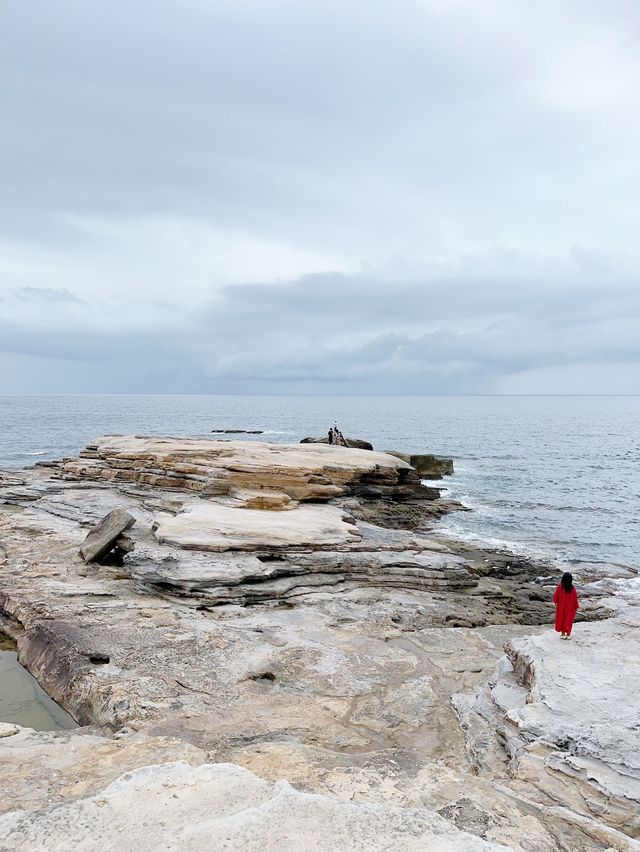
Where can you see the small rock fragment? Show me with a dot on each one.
(8, 730)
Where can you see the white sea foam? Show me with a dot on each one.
(518, 548)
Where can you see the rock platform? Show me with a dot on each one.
(252, 626)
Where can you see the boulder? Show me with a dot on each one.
(104, 535)
(431, 467)
(352, 443)
(426, 466)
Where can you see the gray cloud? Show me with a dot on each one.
(333, 334)
(43, 295)
(427, 196)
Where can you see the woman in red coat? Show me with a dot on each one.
(566, 601)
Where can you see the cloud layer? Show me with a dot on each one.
(432, 197)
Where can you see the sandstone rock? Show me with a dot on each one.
(467, 816)
(8, 730)
(427, 466)
(302, 471)
(43, 768)
(580, 723)
(563, 722)
(245, 578)
(271, 501)
(176, 806)
(211, 526)
(432, 467)
(102, 537)
(368, 670)
(405, 457)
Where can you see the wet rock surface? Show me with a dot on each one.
(363, 663)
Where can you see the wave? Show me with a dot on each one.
(451, 531)
(550, 507)
(500, 457)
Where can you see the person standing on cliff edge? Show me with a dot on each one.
(566, 600)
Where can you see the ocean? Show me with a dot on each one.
(555, 477)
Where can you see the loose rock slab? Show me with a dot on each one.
(102, 537)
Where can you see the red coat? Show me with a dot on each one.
(566, 608)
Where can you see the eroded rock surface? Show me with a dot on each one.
(212, 526)
(302, 471)
(360, 662)
(225, 806)
(39, 769)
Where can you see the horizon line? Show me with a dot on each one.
(320, 395)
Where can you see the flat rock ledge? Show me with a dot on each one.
(301, 471)
(263, 619)
(222, 806)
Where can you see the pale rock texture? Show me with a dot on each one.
(204, 525)
(302, 471)
(563, 718)
(41, 768)
(581, 721)
(222, 806)
(361, 662)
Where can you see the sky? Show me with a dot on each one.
(301, 197)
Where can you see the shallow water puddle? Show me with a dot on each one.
(10, 508)
(22, 699)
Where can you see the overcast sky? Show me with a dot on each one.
(341, 196)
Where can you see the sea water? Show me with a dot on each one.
(22, 699)
(553, 476)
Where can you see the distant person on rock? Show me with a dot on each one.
(332, 436)
(338, 437)
(566, 600)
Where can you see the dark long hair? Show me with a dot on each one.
(567, 582)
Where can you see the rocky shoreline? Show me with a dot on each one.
(286, 612)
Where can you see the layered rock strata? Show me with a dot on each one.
(210, 468)
(362, 663)
(564, 724)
